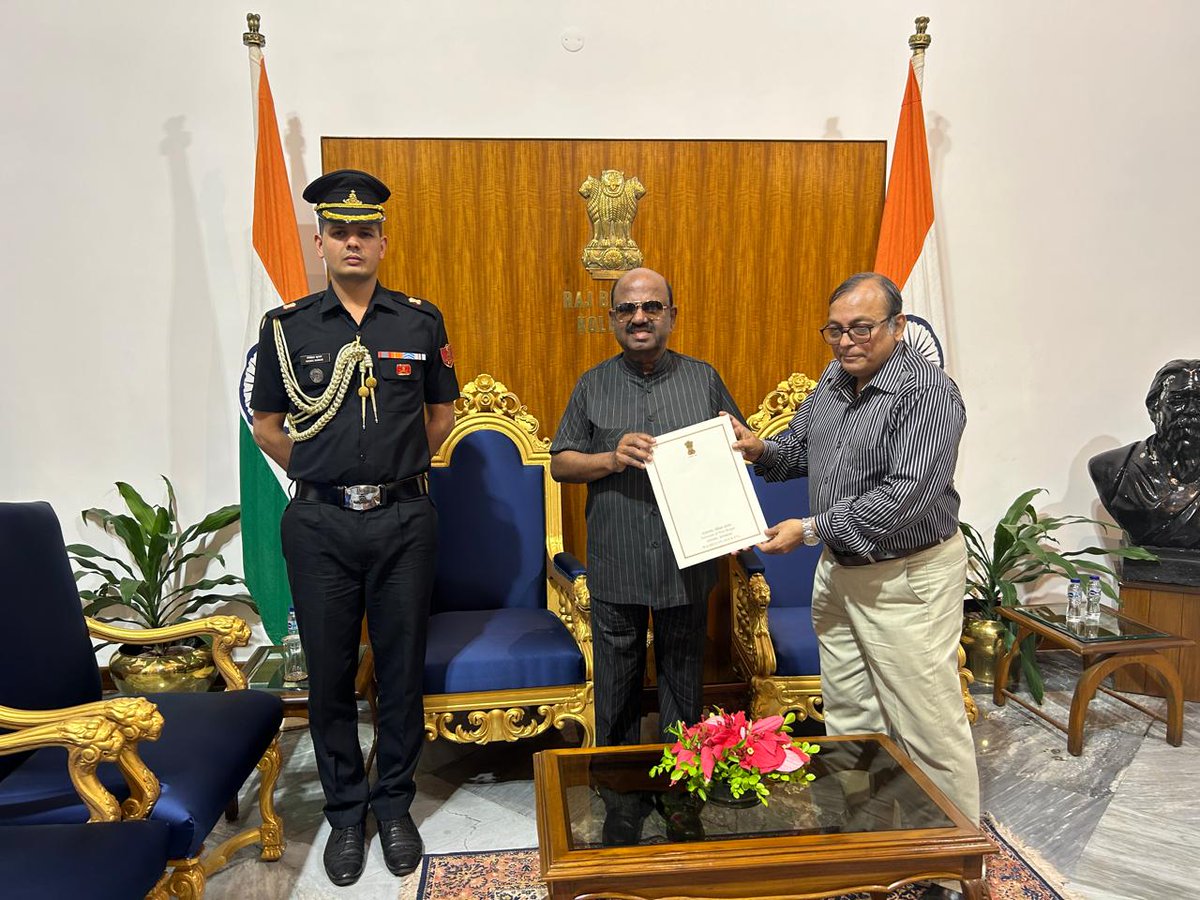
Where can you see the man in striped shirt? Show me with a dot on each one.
(878, 439)
(605, 439)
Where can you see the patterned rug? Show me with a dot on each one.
(513, 875)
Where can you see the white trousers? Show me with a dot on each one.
(888, 635)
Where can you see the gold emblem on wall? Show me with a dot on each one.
(612, 201)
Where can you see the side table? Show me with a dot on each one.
(1113, 643)
(264, 672)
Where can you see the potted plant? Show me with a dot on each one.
(151, 589)
(1023, 550)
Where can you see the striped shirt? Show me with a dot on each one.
(629, 554)
(880, 464)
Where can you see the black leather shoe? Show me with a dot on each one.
(621, 829)
(935, 891)
(402, 844)
(345, 854)
(681, 812)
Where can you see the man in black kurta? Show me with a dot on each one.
(605, 439)
(363, 377)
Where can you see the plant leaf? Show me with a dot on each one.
(205, 584)
(142, 511)
(86, 552)
(97, 515)
(203, 600)
(214, 521)
(128, 587)
(87, 567)
(172, 503)
(1021, 506)
(132, 536)
(1030, 669)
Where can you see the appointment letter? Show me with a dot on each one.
(704, 494)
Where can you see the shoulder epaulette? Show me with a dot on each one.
(416, 303)
(293, 306)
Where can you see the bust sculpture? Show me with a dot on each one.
(1152, 487)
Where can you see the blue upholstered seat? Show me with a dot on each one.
(493, 648)
(508, 629)
(209, 743)
(100, 861)
(790, 577)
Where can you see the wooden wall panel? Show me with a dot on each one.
(753, 236)
(1174, 608)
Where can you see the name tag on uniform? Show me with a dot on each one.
(312, 359)
(400, 354)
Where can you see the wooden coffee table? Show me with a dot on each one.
(871, 821)
(1116, 641)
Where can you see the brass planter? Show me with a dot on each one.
(177, 668)
(984, 643)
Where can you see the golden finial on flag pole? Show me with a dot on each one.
(920, 41)
(253, 38)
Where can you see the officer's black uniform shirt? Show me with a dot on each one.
(413, 366)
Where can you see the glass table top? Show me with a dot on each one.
(859, 787)
(1111, 627)
(264, 671)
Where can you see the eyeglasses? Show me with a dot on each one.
(652, 308)
(859, 334)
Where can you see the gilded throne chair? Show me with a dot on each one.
(73, 759)
(509, 645)
(774, 645)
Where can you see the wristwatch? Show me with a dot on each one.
(811, 538)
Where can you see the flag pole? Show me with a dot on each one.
(919, 43)
(276, 277)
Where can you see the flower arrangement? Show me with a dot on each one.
(731, 749)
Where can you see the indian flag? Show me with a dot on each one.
(907, 249)
(277, 275)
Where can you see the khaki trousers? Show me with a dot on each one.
(888, 635)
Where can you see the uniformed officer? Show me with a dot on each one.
(353, 393)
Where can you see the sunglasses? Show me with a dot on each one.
(652, 308)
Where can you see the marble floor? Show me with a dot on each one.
(1120, 822)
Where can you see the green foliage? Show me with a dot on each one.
(1024, 550)
(151, 582)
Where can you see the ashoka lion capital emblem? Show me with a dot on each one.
(612, 201)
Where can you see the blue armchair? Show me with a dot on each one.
(510, 646)
(179, 758)
(99, 861)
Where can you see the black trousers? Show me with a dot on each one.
(619, 645)
(342, 563)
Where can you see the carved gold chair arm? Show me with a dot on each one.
(226, 632)
(89, 741)
(574, 609)
(575, 605)
(136, 718)
(751, 597)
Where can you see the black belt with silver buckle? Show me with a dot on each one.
(854, 559)
(362, 497)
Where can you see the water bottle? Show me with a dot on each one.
(1074, 603)
(1091, 609)
(294, 666)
